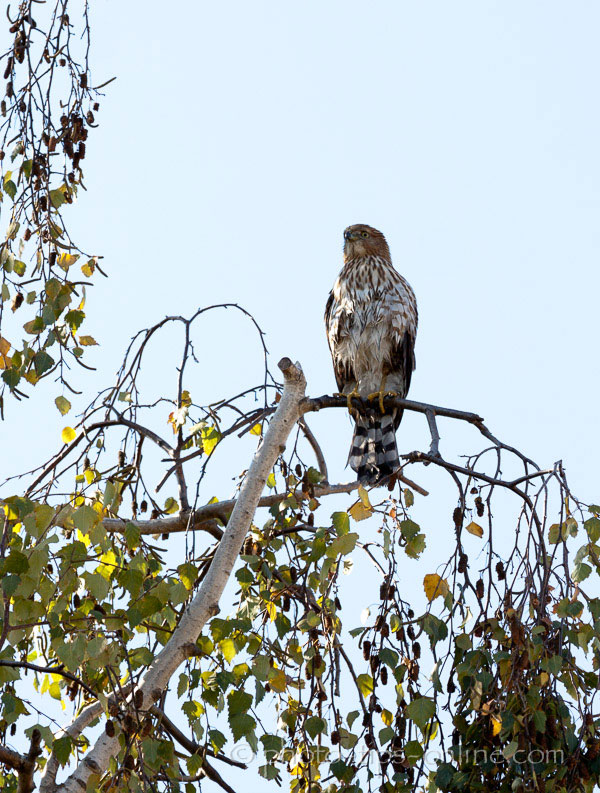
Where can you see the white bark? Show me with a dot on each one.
(206, 602)
(77, 726)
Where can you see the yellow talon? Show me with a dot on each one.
(379, 395)
(353, 393)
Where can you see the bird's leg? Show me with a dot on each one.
(379, 395)
(353, 393)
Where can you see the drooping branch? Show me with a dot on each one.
(205, 603)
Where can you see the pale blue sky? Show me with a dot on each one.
(239, 140)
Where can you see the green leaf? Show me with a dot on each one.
(132, 535)
(97, 585)
(16, 562)
(13, 707)
(272, 744)
(463, 641)
(539, 719)
(35, 326)
(365, 684)
(592, 526)
(444, 775)
(188, 574)
(61, 749)
(409, 529)
(386, 734)
(238, 701)
(340, 770)
(10, 188)
(415, 547)
(58, 198)
(581, 572)
(435, 628)
(71, 653)
(42, 362)
(314, 476)
(261, 667)
(74, 318)
(217, 739)
(413, 751)
(421, 711)
(342, 545)
(85, 518)
(314, 726)
(63, 404)
(351, 717)
(388, 657)
(241, 725)
(8, 675)
(11, 377)
(268, 771)
(341, 522)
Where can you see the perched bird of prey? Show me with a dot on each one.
(371, 321)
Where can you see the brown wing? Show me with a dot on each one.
(403, 358)
(334, 324)
(403, 363)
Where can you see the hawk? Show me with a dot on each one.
(371, 321)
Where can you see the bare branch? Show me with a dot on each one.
(24, 765)
(309, 435)
(205, 518)
(191, 746)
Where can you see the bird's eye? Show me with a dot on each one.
(364, 233)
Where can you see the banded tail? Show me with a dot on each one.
(374, 454)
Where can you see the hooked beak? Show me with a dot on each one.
(348, 235)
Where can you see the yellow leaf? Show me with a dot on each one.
(543, 678)
(475, 528)
(227, 647)
(364, 496)
(277, 680)
(10, 512)
(83, 538)
(88, 268)
(359, 511)
(271, 611)
(4, 348)
(496, 724)
(54, 691)
(65, 260)
(186, 399)
(109, 563)
(171, 506)
(68, 435)
(387, 717)
(435, 586)
(256, 429)
(89, 475)
(87, 341)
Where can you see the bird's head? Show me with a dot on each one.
(362, 240)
